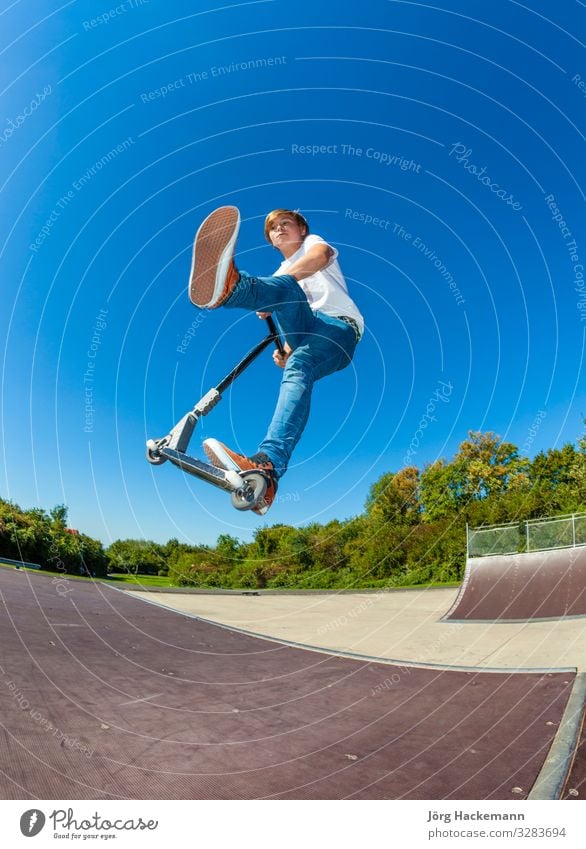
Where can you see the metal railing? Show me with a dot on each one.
(532, 535)
(19, 563)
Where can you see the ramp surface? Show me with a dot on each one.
(535, 585)
(104, 696)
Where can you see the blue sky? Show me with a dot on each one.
(432, 145)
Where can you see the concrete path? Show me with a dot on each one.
(400, 625)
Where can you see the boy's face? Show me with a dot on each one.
(286, 233)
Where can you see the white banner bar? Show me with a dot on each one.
(294, 824)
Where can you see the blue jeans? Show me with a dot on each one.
(321, 345)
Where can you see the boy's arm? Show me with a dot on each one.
(317, 258)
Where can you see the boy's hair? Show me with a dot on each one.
(295, 214)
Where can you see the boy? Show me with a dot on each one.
(308, 294)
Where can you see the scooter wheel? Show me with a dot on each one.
(152, 454)
(253, 491)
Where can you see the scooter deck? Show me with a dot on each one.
(227, 480)
(246, 489)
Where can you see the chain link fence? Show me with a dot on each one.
(503, 539)
(533, 535)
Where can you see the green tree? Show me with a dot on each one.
(490, 465)
(137, 557)
(394, 497)
(578, 472)
(443, 489)
(58, 516)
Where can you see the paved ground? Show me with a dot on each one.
(103, 696)
(401, 625)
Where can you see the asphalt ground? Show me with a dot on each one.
(105, 696)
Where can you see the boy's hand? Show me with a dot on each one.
(264, 314)
(281, 359)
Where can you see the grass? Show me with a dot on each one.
(125, 580)
(140, 580)
(117, 579)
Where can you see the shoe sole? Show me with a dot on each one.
(213, 248)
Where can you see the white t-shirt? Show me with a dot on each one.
(326, 290)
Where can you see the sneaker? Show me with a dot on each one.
(224, 458)
(213, 273)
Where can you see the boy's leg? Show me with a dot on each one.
(320, 345)
(328, 349)
(215, 281)
(281, 295)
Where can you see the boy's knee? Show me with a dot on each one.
(290, 285)
(300, 363)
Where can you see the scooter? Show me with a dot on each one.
(247, 489)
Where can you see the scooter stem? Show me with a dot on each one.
(274, 332)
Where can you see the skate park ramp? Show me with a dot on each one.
(106, 696)
(521, 587)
